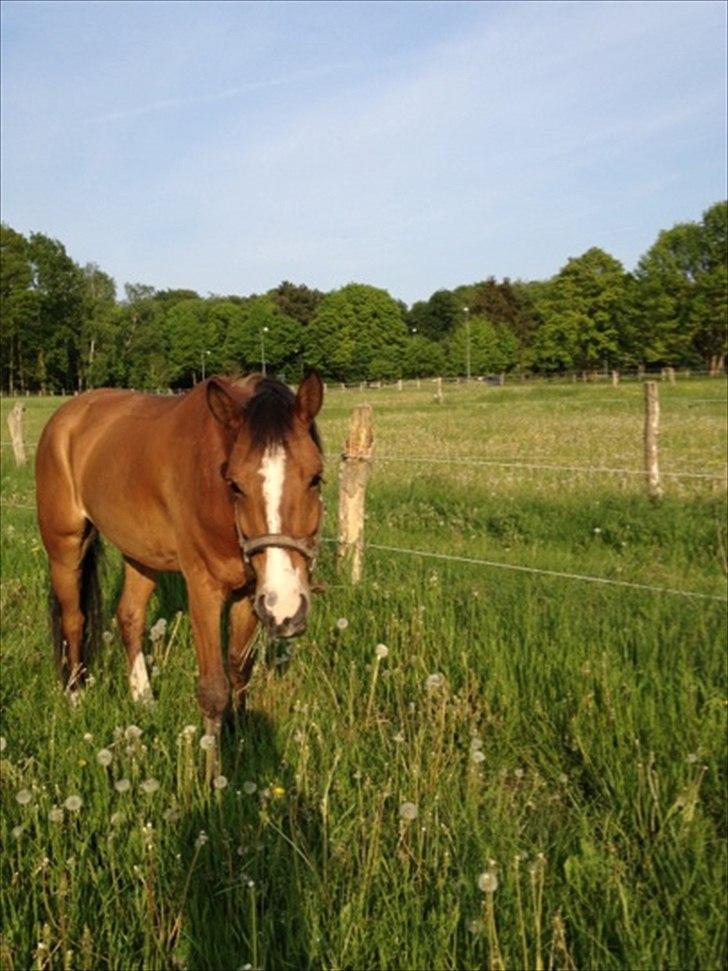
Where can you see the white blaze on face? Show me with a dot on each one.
(281, 586)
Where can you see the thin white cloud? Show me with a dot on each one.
(234, 92)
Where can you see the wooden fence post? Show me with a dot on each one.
(438, 390)
(652, 431)
(615, 378)
(399, 384)
(15, 424)
(353, 476)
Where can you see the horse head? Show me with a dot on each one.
(273, 477)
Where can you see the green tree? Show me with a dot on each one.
(437, 317)
(492, 349)
(19, 337)
(263, 336)
(423, 358)
(584, 309)
(59, 285)
(296, 300)
(97, 336)
(357, 334)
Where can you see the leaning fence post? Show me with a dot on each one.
(15, 424)
(353, 476)
(438, 390)
(652, 431)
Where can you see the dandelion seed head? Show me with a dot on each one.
(434, 681)
(518, 773)
(189, 730)
(342, 623)
(398, 738)
(104, 756)
(149, 786)
(407, 811)
(477, 756)
(116, 819)
(17, 832)
(219, 782)
(132, 733)
(201, 839)
(56, 815)
(107, 637)
(73, 803)
(207, 743)
(488, 881)
(249, 787)
(24, 796)
(122, 785)
(381, 651)
(88, 737)
(692, 758)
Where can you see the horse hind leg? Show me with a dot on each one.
(75, 602)
(139, 584)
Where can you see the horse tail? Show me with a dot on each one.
(90, 604)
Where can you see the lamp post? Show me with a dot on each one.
(203, 355)
(263, 332)
(467, 344)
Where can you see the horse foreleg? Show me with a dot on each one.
(206, 600)
(139, 583)
(241, 656)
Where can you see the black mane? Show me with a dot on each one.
(270, 412)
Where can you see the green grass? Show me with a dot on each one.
(600, 714)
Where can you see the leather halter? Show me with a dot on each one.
(306, 547)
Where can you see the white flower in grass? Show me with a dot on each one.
(219, 782)
(476, 742)
(249, 787)
(24, 796)
(488, 881)
(158, 630)
(381, 651)
(132, 733)
(88, 737)
(172, 815)
(207, 743)
(692, 758)
(73, 803)
(201, 839)
(189, 730)
(116, 819)
(342, 623)
(398, 738)
(56, 815)
(17, 832)
(3, 743)
(477, 756)
(104, 756)
(434, 681)
(149, 786)
(122, 785)
(107, 637)
(408, 811)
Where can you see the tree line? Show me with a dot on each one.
(64, 328)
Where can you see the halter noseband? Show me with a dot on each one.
(307, 548)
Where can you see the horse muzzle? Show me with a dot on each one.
(292, 626)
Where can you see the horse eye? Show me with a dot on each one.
(235, 488)
(316, 481)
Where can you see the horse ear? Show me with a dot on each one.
(309, 397)
(223, 406)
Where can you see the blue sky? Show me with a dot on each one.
(413, 146)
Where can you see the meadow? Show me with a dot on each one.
(456, 767)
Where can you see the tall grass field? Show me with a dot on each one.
(458, 766)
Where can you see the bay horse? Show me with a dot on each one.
(221, 484)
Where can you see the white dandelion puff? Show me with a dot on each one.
(434, 681)
(107, 637)
(17, 832)
(477, 756)
(342, 623)
(207, 743)
(132, 733)
(73, 803)
(116, 819)
(149, 786)
(249, 787)
(104, 756)
(488, 881)
(408, 811)
(24, 796)
(219, 782)
(381, 651)
(88, 737)
(122, 785)
(188, 731)
(201, 839)
(398, 738)
(56, 815)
